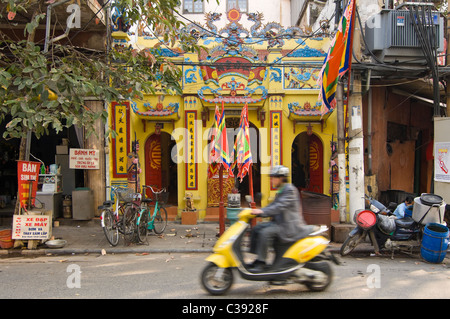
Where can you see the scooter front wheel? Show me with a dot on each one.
(216, 280)
(350, 243)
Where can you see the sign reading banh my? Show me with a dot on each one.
(84, 159)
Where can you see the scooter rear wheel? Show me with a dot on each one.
(322, 281)
(216, 280)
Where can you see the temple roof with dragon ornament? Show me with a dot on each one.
(236, 68)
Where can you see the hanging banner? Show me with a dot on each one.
(442, 162)
(275, 138)
(27, 175)
(121, 143)
(191, 154)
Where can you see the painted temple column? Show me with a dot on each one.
(274, 126)
(191, 183)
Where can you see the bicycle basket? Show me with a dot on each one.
(126, 194)
(161, 197)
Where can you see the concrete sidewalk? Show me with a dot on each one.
(87, 237)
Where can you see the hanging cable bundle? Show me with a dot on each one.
(422, 20)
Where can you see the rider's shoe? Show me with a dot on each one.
(258, 266)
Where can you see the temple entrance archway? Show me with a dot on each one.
(232, 124)
(160, 169)
(307, 162)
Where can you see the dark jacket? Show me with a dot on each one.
(286, 211)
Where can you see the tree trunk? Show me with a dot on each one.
(23, 140)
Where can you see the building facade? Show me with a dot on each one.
(393, 86)
(272, 69)
(88, 38)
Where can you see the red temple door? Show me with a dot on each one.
(315, 164)
(153, 171)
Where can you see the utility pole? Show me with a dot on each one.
(355, 135)
(341, 153)
(356, 149)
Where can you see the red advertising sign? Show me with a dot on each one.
(28, 175)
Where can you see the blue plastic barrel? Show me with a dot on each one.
(434, 243)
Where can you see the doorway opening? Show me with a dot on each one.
(232, 124)
(307, 163)
(160, 169)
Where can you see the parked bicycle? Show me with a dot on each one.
(119, 214)
(152, 219)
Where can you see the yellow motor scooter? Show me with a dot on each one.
(304, 261)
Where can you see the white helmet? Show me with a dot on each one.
(279, 171)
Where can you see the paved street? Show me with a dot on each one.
(176, 276)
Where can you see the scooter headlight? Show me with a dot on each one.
(374, 208)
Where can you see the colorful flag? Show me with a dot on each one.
(242, 146)
(219, 146)
(338, 59)
(213, 156)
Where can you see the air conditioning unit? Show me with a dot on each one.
(391, 36)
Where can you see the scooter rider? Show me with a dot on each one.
(287, 219)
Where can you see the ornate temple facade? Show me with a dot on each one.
(271, 69)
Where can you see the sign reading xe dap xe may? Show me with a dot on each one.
(31, 227)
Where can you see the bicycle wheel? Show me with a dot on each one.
(109, 225)
(129, 223)
(143, 225)
(160, 221)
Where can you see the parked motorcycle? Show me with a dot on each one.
(386, 231)
(304, 261)
(366, 221)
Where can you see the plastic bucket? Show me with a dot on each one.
(366, 219)
(6, 240)
(434, 243)
(423, 205)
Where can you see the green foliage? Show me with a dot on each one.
(47, 91)
(41, 94)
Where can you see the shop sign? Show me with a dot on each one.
(31, 227)
(442, 162)
(28, 175)
(84, 158)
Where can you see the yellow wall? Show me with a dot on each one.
(290, 129)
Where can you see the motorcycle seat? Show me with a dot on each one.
(305, 231)
(281, 246)
(405, 222)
